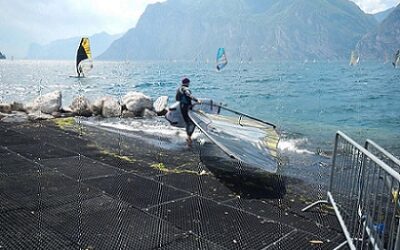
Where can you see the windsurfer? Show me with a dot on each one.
(80, 71)
(396, 58)
(184, 97)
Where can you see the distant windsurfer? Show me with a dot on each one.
(184, 97)
(396, 58)
(80, 71)
(83, 57)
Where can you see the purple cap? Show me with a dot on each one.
(185, 81)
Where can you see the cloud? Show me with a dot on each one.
(374, 6)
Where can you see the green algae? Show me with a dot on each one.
(121, 157)
(64, 123)
(161, 167)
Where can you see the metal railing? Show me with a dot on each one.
(364, 191)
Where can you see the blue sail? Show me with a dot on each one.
(221, 59)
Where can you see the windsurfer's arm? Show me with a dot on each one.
(189, 94)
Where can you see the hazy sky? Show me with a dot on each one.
(42, 21)
(47, 20)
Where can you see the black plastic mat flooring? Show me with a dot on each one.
(106, 223)
(192, 242)
(12, 163)
(223, 225)
(80, 167)
(40, 151)
(138, 191)
(22, 229)
(202, 185)
(10, 137)
(44, 189)
(130, 163)
(285, 216)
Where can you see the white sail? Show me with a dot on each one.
(354, 58)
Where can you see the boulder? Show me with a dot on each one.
(160, 105)
(137, 102)
(81, 106)
(149, 113)
(5, 108)
(111, 108)
(47, 103)
(66, 110)
(97, 106)
(127, 114)
(17, 106)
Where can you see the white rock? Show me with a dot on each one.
(97, 106)
(47, 103)
(160, 105)
(111, 108)
(137, 102)
(127, 114)
(66, 110)
(149, 113)
(81, 106)
(5, 108)
(28, 107)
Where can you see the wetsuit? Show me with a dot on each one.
(184, 97)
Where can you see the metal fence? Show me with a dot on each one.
(364, 191)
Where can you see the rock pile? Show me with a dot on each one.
(49, 106)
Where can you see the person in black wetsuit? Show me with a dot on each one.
(184, 97)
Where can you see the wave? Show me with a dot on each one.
(263, 80)
(294, 145)
(154, 131)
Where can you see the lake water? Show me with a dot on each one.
(308, 101)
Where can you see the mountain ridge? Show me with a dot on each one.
(380, 16)
(65, 49)
(382, 42)
(290, 29)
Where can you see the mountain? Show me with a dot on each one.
(380, 16)
(288, 29)
(384, 41)
(65, 49)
